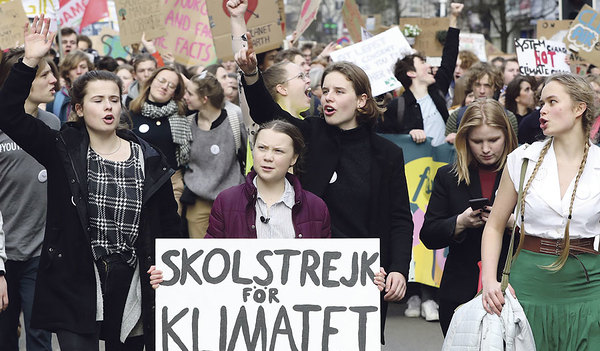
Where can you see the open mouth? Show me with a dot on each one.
(307, 92)
(543, 123)
(109, 118)
(328, 110)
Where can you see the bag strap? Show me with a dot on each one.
(509, 256)
(235, 127)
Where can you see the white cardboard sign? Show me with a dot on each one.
(278, 294)
(541, 57)
(377, 56)
(475, 43)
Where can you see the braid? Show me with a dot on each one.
(527, 185)
(560, 262)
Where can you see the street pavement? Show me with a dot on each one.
(402, 333)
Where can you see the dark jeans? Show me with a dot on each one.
(446, 312)
(115, 279)
(20, 278)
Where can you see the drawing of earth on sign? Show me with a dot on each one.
(252, 4)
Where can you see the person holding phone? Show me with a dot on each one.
(459, 207)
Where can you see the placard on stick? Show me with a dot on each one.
(353, 20)
(426, 42)
(584, 35)
(12, 23)
(262, 19)
(307, 15)
(276, 294)
(377, 56)
(541, 57)
(188, 32)
(138, 16)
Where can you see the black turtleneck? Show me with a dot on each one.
(348, 196)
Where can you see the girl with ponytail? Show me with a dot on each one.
(556, 271)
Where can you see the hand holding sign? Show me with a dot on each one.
(395, 287)
(37, 40)
(246, 58)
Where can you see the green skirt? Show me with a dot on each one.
(562, 308)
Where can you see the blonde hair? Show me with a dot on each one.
(580, 92)
(137, 103)
(480, 112)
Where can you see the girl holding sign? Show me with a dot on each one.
(109, 198)
(556, 275)
(343, 154)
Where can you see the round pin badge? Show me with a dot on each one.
(42, 176)
(214, 149)
(144, 128)
(333, 178)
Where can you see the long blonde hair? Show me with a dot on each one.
(480, 112)
(580, 92)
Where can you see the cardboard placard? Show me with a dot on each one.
(281, 7)
(554, 30)
(307, 15)
(36, 7)
(584, 35)
(377, 56)
(108, 43)
(138, 16)
(188, 32)
(426, 42)
(353, 20)
(262, 20)
(372, 22)
(11, 27)
(275, 294)
(475, 43)
(541, 57)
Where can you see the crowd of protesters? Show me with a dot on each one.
(100, 156)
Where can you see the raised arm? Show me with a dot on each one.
(31, 134)
(445, 74)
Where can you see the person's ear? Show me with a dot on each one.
(79, 110)
(412, 74)
(294, 160)
(281, 89)
(362, 101)
(580, 108)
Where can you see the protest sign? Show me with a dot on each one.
(353, 20)
(108, 43)
(377, 56)
(36, 7)
(554, 30)
(541, 57)
(307, 15)
(421, 164)
(475, 43)
(276, 294)
(188, 35)
(138, 16)
(281, 7)
(584, 35)
(11, 26)
(426, 42)
(262, 19)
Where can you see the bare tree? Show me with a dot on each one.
(493, 13)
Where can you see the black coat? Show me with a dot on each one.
(65, 294)
(412, 117)
(390, 215)
(448, 200)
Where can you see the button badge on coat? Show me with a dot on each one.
(333, 178)
(144, 128)
(215, 149)
(43, 176)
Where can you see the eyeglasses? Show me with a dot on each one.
(170, 85)
(301, 75)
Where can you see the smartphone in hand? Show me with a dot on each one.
(477, 204)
